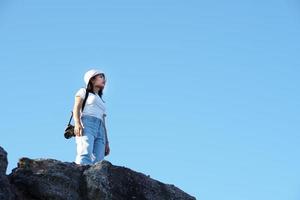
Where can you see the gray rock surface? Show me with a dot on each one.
(49, 179)
(5, 188)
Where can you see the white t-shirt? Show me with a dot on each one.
(94, 105)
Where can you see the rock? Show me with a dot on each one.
(47, 179)
(3, 161)
(50, 179)
(5, 188)
(108, 182)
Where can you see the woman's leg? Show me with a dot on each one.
(85, 143)
(84, 149)
(99, 145)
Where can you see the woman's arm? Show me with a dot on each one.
(107, 149)
(76, 114)
(105, 130)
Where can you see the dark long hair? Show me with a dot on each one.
(91, 89)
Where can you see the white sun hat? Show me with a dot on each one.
(89, 74)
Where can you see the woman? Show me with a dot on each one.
(91, 134)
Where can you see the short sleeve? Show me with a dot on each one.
(81, 93)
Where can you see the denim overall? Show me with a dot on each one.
(91, 145)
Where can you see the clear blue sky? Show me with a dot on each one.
(200, 94)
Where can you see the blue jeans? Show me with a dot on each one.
(91, 145)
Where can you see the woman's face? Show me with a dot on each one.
(99, 81)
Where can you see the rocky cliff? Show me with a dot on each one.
(43, 179)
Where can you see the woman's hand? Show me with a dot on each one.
(78, 129)
(107, 150)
